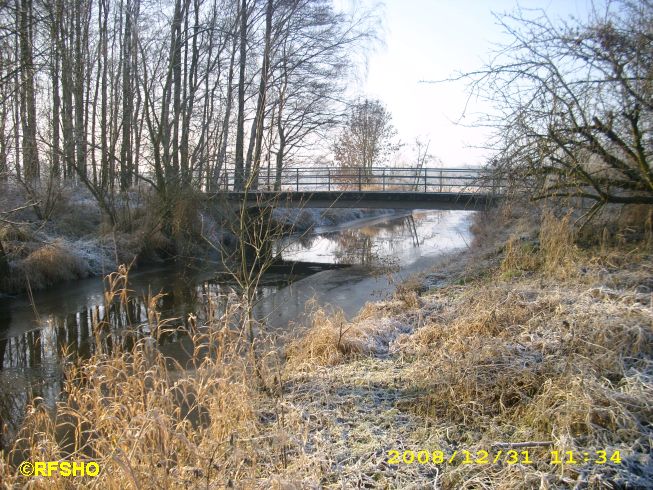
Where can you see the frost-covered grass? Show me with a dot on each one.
(306, 218)
(64, 247)
(531, 340)
(543, 342)
(75, 240)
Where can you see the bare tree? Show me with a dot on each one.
(575, 104)
(106, 94)
(5, 110)
(253, 162)
(314, 47)
(367, 138)
(239, 176)
(126, 155)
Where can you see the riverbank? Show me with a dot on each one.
(530, 336)
(528, 340)
(60, 234)
(75, 241)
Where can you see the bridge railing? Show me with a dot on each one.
(471, 180)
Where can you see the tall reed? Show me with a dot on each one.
(148, 420)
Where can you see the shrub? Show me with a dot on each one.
(50, 264)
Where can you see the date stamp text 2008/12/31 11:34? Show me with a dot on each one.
(511, 456)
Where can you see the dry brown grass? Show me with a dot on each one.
(495, 225)
(556, 356)
(330, 340)
(146, 420)
(617, 226)
(15, 233)
(554, 252)
(518, 257)
(558, 248)
(48, 265)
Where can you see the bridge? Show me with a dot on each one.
(376, 187)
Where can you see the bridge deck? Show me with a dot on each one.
(377, 187)
(364, 199)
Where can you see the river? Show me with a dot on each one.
(379, 252)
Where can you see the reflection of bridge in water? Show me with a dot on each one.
(376, 187)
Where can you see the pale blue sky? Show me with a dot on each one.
(431, 40)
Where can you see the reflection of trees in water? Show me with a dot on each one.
(6, 402)
(308, 240)
(5, 313)
(26, 350)
(367, 245)
(37, 354)
(16, 394)
(354, 248)
(406, 229)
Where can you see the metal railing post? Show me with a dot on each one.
(360, 179)
(440, 180)
(383, 179)
(329, 179)
(425, 170)
(297, 174)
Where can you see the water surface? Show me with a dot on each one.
(35, 331)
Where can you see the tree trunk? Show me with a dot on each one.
(127, 101)
(137, 118)
(176, 41)
(104, 110)
(67, 95)
(281, 129)
(80, 133)
(239, 178)
(31, 167)
(281, 150)
(190, 88)
(56, 98)
(4, 264)
(4, 169)
(250, 151)
(262, 94)
(222, 151)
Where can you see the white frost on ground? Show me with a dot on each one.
(306, 218)
(97, 253)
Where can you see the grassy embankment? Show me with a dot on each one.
(73, 239)
(535, 335)
(76, 240)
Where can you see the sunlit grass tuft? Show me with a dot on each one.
(146, 420)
